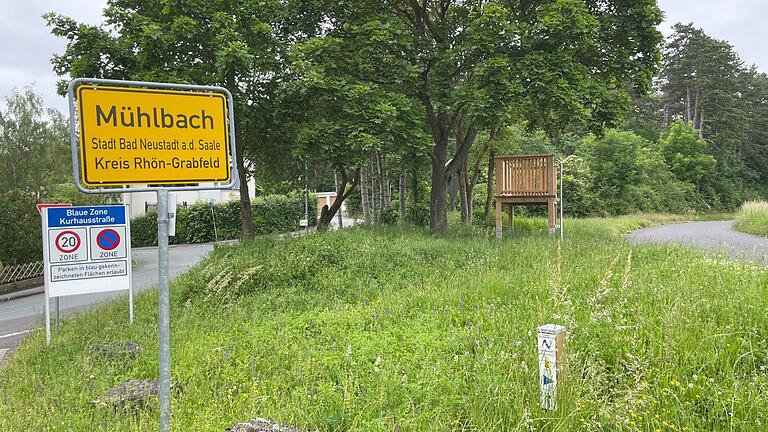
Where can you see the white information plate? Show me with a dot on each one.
(86, 249)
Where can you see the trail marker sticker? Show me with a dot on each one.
(551, 341)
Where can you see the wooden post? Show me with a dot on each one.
(512, 217)
(498, 218)
(551, 340)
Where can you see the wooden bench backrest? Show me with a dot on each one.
(526, 176)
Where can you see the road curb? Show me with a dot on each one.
(23, 293)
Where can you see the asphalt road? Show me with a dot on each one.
(714, 236)
(20, 315)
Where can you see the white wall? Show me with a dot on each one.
(140, 201)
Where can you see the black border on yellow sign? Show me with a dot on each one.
(83, 146)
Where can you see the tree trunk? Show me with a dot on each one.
(687, 105)
(701, 123)
(339, 191)
(696, 109)
(401, 196)
(326, 217)
(364, 195)
(463, 193)
(489, 185)
(246, 213)
(415, 187)
(375, 190)
(472, 182)
(438, 214)
(386, 188)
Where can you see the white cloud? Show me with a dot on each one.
(742, 23)
(28, 45)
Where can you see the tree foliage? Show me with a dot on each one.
(20, 240)
(554, 63)
(239, 45)
(34, 145)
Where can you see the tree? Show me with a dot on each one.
(239, 45)
(614, 162)
(552, 62)
(687, 155)
(706, 85)
(34, 145)
(19, 235)
(345, 123)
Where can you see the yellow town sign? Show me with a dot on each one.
(152, 136)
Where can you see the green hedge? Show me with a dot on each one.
(194, 224)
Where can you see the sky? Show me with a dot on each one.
(28, 45)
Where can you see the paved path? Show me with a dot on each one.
(19, 315)
(716, 236)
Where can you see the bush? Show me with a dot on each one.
(418, 214)
(389, 216)
(20, 238)
(144, 230)
(195, 224)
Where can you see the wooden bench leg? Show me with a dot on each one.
(498, 219)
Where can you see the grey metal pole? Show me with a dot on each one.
(47, 318)
(164, 312)
(56, 302)
(213, 215)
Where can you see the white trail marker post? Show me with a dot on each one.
(551, 340)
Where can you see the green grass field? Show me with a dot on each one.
(390, 329)
(752, 218)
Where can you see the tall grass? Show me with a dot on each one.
(752, 218)
(391, 329)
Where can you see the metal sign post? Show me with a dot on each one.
(164, 310)
(130, 136)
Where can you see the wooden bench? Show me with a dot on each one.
(526, 180)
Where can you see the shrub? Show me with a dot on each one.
(20, 238)
(144, 230)
(195, 224)
(389, 216)
(417, 214)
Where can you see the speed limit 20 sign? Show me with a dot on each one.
(67, 245)
(86, 249)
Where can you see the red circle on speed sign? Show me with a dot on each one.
(67, 244)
